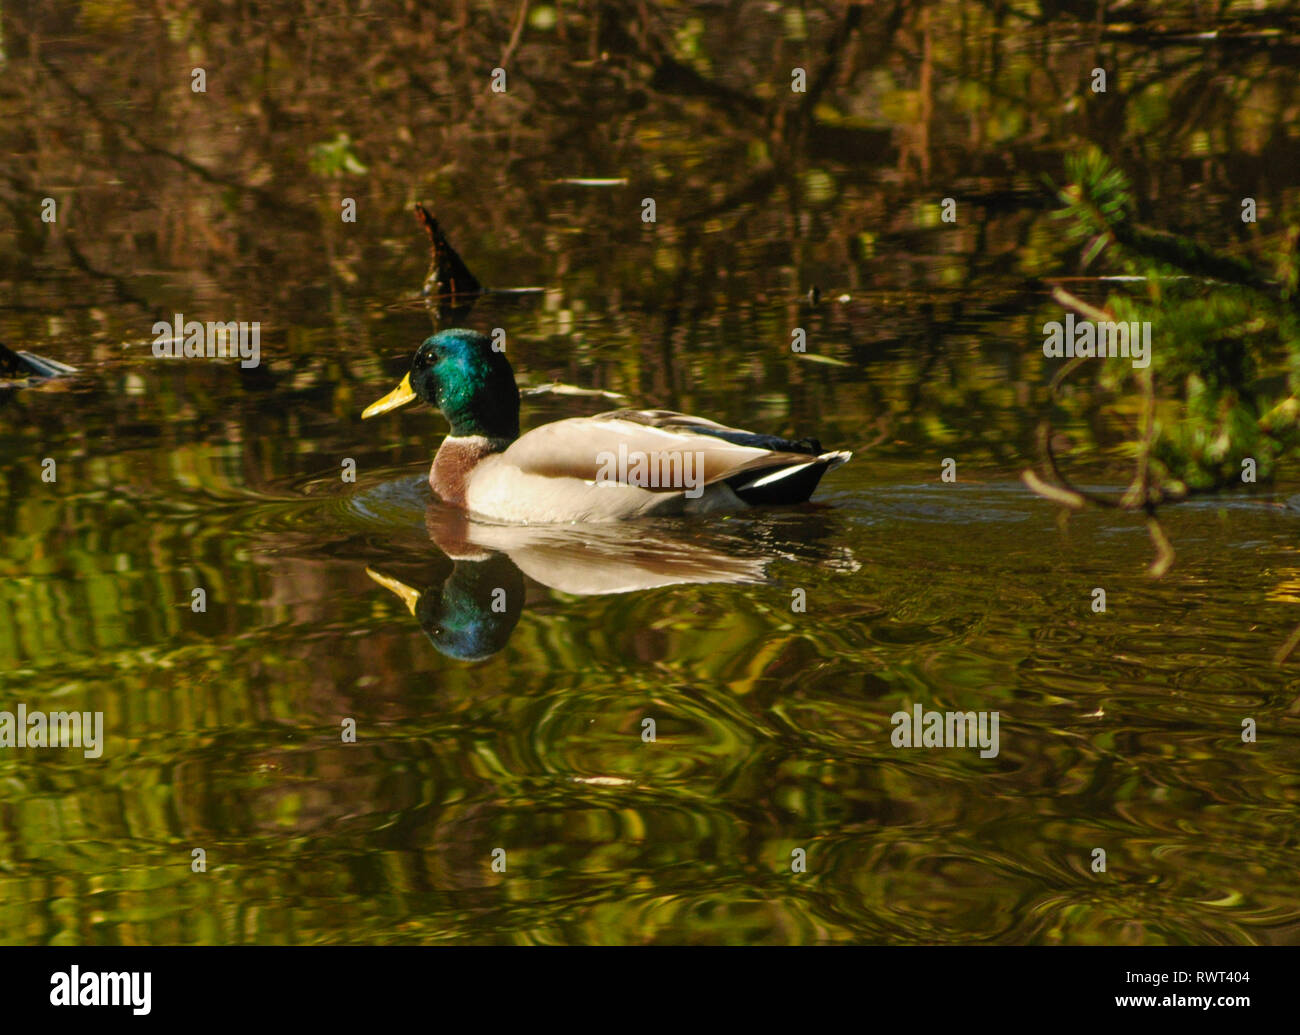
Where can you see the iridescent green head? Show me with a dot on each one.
(460, 373)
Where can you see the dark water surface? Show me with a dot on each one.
(1119, 731)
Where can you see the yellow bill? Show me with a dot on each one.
(399, 396)
(410, 597)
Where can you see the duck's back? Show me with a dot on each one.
(630, 463)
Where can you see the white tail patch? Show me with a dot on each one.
(776, 476)
(831, 460)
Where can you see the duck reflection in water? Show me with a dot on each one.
(470, 614)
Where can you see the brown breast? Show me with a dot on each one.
(456, 458)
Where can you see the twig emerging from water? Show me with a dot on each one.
(1284, 651)
(1139, 495)
(515, 36)
(1065, 497)
(448, 274)
(1165, 555)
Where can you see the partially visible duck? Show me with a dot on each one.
(20, 365)
(616, 465)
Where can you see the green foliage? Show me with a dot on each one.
(335, 158)
(1096, 202)
(1225, 354)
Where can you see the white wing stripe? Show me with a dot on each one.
(777, 475)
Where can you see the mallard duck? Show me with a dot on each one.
(616, 465)
(19, 365)
(470, 613)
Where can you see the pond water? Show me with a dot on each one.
(770, 648)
